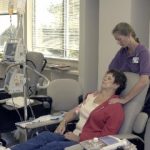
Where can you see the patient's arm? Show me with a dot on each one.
(69, 116)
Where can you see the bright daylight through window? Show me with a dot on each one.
(55, 28)
(8, 24)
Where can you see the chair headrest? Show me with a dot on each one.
(133, 107)
(64, 93)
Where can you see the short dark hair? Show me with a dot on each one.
(120, 79)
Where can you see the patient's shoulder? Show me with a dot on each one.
(117, 109)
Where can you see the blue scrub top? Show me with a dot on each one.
(137, 62)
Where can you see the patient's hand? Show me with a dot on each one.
(61, 128)
(71, 136)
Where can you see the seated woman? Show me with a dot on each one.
(96, 118)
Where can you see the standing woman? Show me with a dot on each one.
(132, 57)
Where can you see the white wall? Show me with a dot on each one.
(88, 64)
(110, 13)
(140, 17)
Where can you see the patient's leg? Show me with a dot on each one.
(39, 141)
(57, 145)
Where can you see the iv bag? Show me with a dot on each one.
(10, 7)
(21, 6)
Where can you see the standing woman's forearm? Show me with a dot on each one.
(137, 88)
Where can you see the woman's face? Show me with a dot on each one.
(122, 40)
(108, 81)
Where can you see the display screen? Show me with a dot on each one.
(10, 49)
(7, 79)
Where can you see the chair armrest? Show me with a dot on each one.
(4, 95)
(136, 140)
(128, 136)
(71, 125)
(46, 100)
(140, 123)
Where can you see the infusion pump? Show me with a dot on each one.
(14, 51)
(14, 81)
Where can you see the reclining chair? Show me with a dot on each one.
(135, 121)
(36, 61)
(65, 94)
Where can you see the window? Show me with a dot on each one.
(55, 28)
(8, 23)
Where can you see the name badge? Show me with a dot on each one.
(135, 60)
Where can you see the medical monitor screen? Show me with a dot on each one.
(8, 77)
(10, 50)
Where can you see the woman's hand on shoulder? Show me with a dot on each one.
(117, 100)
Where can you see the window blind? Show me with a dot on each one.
(56, 28)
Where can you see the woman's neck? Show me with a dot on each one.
(103, 95)
(132, 46)
(107, 93)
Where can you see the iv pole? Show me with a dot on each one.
(20, 35)
(20, 32)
